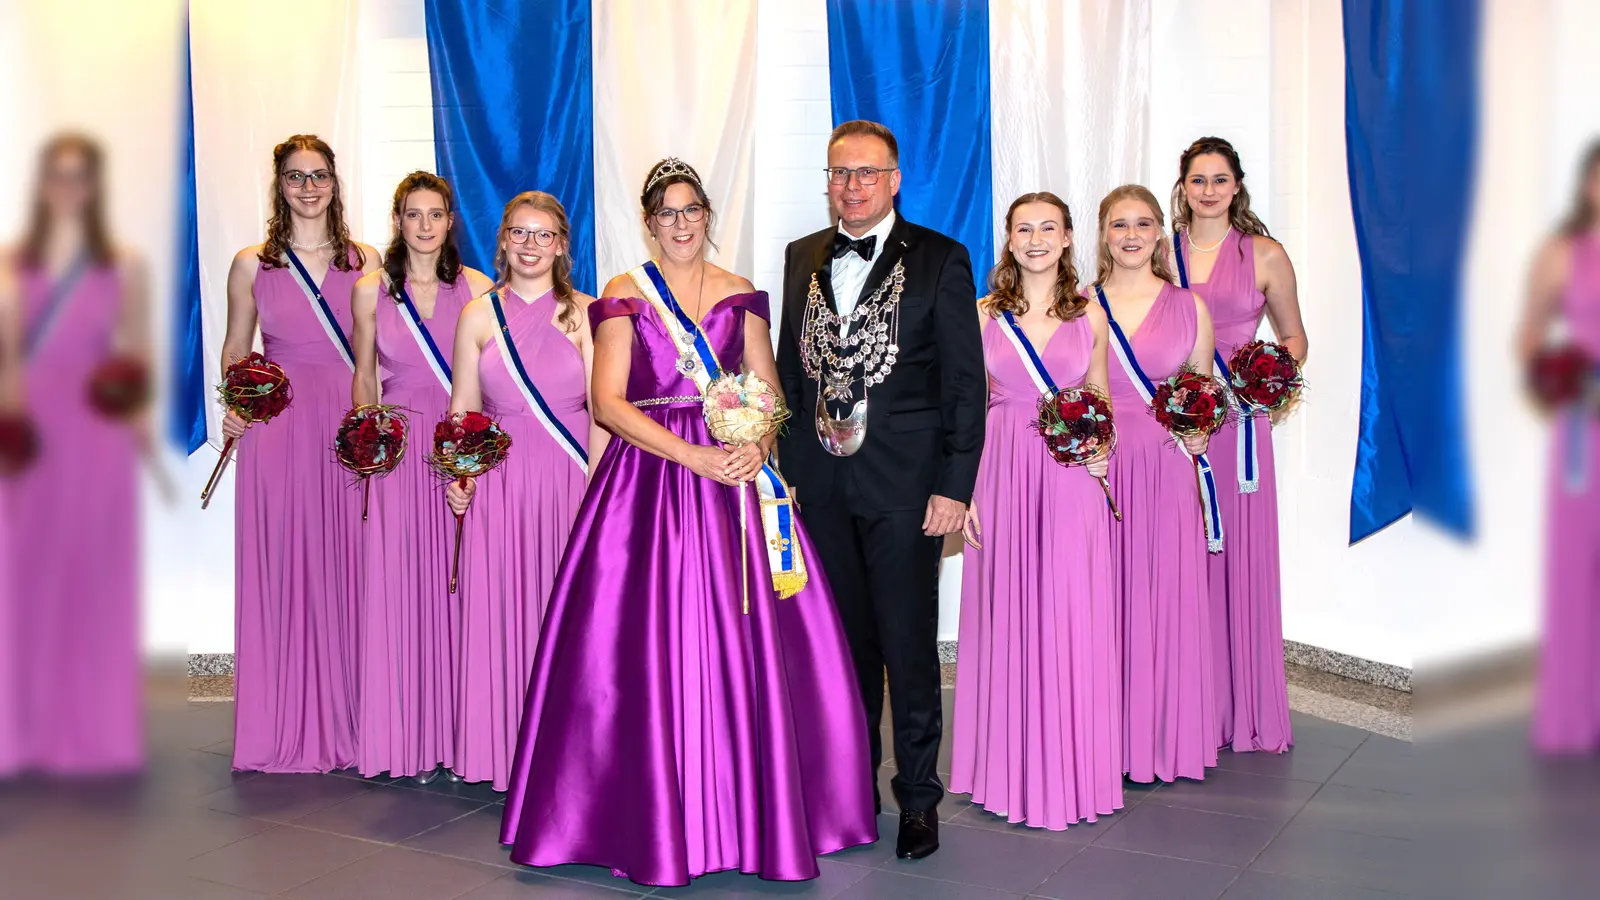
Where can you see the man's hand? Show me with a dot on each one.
(945, 516)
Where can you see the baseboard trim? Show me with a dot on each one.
(1355, 668)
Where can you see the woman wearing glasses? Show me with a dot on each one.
(522, 357)
(669, 732)
(405, 320)
(296, 538)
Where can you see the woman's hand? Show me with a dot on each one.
(1099, 467)
(1196, 444)
(971, 531)
(234, 425)
(708, 462)
(458, 497)
(744, 461)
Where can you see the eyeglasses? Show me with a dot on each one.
(839, 176)
(321, 178)
(668, 217)
(519, 235)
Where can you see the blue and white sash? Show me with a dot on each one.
(1249, 461)
(777, 513)
(519, 376)
(321, 309)
(1123, 348)
(1572, 430)
(55, 302)
(1031, 360)
(424, 338)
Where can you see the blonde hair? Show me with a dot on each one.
(561, 269)
(1158, 262)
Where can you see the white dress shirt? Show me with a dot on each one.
(850, 271)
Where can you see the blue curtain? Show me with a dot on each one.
(513, 110)
(1410, 130)
(186, 424)
(922, 69)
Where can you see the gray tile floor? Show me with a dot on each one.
(1333, 819)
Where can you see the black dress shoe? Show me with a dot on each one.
(919, 834)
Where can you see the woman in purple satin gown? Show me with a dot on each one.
(73, 514)
(408, 629)
(297, 521)
(1230, 260)
(1566, 293)
(1038, 705)
(668, 734)
(1159, 548)
(522, 512)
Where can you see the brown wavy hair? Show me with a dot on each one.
(31, 253)
(1005, 279)
(561, 269)
(1240, 216)
(1158, 262)
(278, 227)
(448, 267)
(1583, 214)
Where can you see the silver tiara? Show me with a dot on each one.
(669, 167)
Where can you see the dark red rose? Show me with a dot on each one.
(475, 422)
(1202, 407)
(1264, 366)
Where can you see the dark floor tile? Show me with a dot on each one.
(886, 885)
(1265, 886)
(1312, 762)
(480, 791)
(835, 878)
(1190, 834)
(1381, 763)
(1371, 861)
(199, 831)
(1239, 794)
(282, 798)
(190, 774)
(387, 815)
(397, 874)
(529, 886)
(1365, 810)
(977, 856)
(378, 780)
(195, 889)
(1106, 874)
(220, 748)
(600, 876)
(1310, 730)
(278, 859)
(1076, 833)
(475, 836)
(201, 725)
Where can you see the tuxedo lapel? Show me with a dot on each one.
(894, 247)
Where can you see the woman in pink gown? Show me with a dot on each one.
(1224, 253)
(669, 734)
(1566, 292)
(405, 321)
(521, 512)
(297, 521)
(1159, 549)
(73, 515)
(1038, 717)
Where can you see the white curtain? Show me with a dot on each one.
(673, 79)
(1069, 98)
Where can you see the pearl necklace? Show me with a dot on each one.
(299, 246)
(1198, 249)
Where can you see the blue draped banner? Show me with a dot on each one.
(513, 110)
(186, 424)
(922, 69)
(1411, 97)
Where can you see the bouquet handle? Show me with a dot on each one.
(1106, 487)
(366, 495)
(455, 558)
(216, 474)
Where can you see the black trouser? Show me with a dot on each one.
(885, 577)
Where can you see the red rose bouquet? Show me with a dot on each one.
(1078, 429)
(19, 443)
(1561, 376)
(257, 390)
(1266, 377)
(1189, 403)
(371, 441)
(119, 387)
(466, 445)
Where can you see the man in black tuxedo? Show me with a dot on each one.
(883, 310)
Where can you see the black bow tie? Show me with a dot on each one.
(864, 247)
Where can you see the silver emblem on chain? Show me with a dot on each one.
(835, 348)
